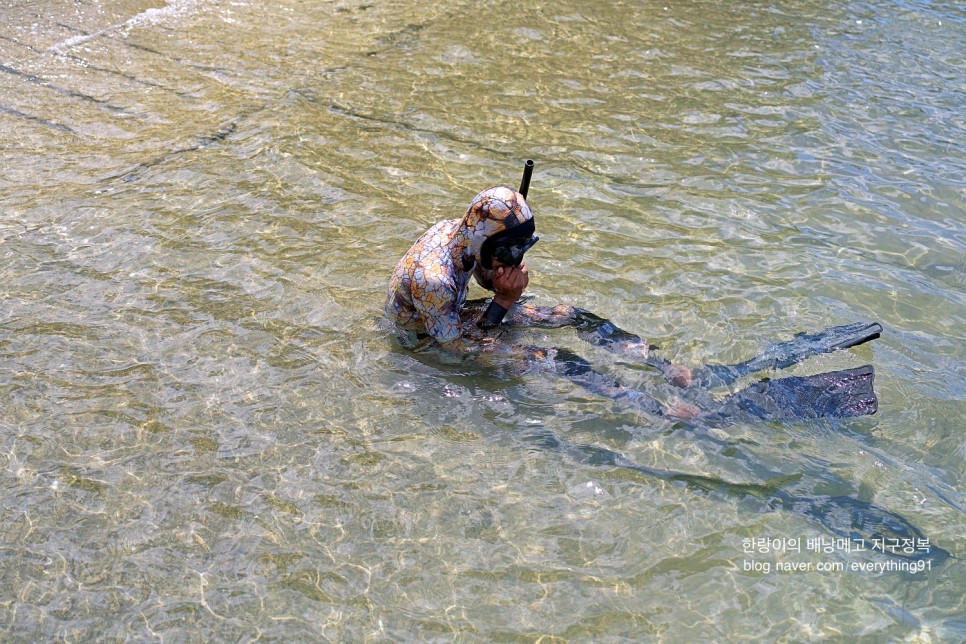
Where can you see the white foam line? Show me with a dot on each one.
(153, 16)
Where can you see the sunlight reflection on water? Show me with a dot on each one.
(207, 433)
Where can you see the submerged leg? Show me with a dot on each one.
(594, 330)
(578, 370)
(786, 354)
(835, 394)
(603, 333)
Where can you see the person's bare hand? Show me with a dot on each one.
(509, 282)
(678, 375)
(682, 410)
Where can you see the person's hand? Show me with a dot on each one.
(509, 282)
(678, 375)
(682, 410)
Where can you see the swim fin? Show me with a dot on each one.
(785, 354)
(835, 394)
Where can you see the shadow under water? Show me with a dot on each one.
(865, 524)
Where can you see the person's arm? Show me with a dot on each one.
(437, 306)
(579, 371)
(597, 331)
(509, 282)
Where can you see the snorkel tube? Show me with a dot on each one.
(511, 255)
(527, 173)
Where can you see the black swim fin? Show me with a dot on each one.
(836, 394)
(785, 354)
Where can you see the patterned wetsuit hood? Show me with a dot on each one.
(495, 210)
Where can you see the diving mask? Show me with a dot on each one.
(511, 254)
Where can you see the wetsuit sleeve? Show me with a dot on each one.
(437, 306)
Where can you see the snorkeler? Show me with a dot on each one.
(427, 301)
(427, 291)
(427, 294)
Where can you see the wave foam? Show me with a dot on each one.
(152, 16)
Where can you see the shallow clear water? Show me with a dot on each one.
(206, 434)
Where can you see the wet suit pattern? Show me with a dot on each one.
(428, 289)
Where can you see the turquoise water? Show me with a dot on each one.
(206, 434)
